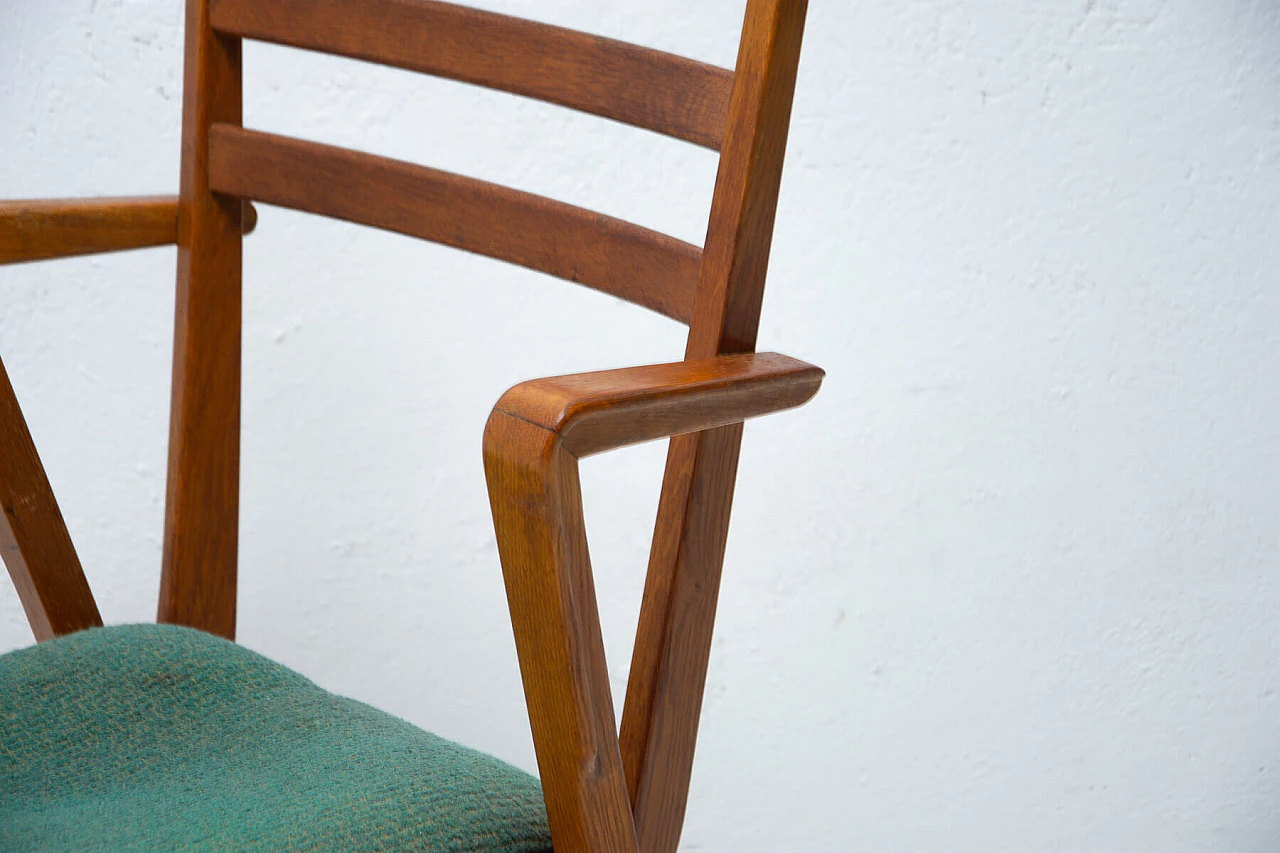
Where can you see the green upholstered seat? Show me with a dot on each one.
(158, 738)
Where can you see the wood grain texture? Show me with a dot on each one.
(537, 511)
(668, 94)
(34, 541)
(673, 639)
(198, 576)
(536, 434)
(673, 635)
(740, 230)
(38, 230)
(616, 257)
(603, 410)
(45, 229)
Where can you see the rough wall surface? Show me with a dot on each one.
(1009, 584)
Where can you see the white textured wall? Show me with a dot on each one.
(1009, 584)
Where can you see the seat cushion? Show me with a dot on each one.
(159, 738)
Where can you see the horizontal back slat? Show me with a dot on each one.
(616, 257)
(646, 88)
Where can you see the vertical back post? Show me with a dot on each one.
(198, 578)
(673, 640)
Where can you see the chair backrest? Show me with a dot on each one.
(716, 289)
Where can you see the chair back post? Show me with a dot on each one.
(673, 640)
(198, 577)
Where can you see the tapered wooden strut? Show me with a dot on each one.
(34, 541)
(673, 639)
(646, 88)
(532, 443)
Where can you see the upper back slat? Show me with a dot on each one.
(635, 85)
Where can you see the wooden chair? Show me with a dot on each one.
(604, 790)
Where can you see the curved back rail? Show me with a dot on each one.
(607, 254)
(635, 85)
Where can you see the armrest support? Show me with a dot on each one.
(34, 543)
(532, 443)
(42, 229)
(593, 412)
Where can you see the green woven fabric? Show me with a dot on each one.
(158, 738)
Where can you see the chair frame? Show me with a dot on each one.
(606, 789)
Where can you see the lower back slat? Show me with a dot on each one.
(633, 263)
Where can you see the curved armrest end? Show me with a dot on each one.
(593, 412)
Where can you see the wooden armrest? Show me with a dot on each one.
(42, 229)
(532, 444)
(593, 412)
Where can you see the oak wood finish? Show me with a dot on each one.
(37, 230)
(625, 260)
(537, 510)
(44, 229)
(198, 574)
(608, 409)
(536, 434)
(673, 638)
(658, 91)
(34, 541)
